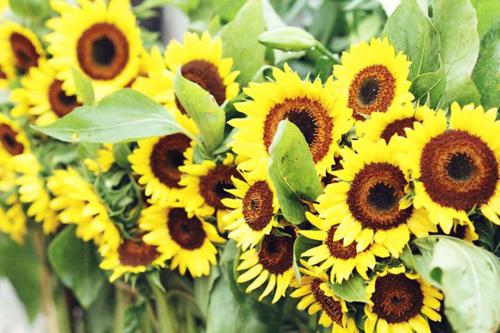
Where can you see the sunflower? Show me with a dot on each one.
(32, 191)
(132, 256)
(334, 256)
(200, 61)
(385, 125)
(13, 220)
(102, 40)
(400, 302)
(42, 97)
(188, 241)
(4, 4)
(157, 162)
(13, 141)
(309, 105)
(456, 168)
(369, 202)
(373, 77)
(465, 231)
(158, 84)
(7, 74)
(253, 211)
(78, 203)
(206, 185)
(317, 295)
(21, 47)
(103, 161)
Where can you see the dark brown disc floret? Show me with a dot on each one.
(309, 116)
(258, 205)
(136, 253)
(166, 158)
(276, 253)
(8, 138)
(397, 298)
(374, 196)
(214, 184)
(458, 170)
(328, 304)
(60, 102)
(186, 231)
(24, 52)
(372, 90)
(397, 127)
(103, 51)
(337, 248)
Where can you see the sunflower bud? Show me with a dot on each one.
(288, 39)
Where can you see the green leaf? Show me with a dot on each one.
(227, 9)
(121, 151)
(292, 171)
(84, 87)
(459, 47)
(20, 264)
(411, 31)
(487, 12)
(352, 290)
(288, 39)
(76, 264)
(126, 115)
(430, 86)
(485, 73)
(240, 40)
(469, 278)
(209, 117)
(30, 8)
(134, 317)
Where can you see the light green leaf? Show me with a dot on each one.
(227, 9)
(209, 117)
(76, 265)
(121, 152)
(411, 31)
(469, 277)
(288, 39)
(84, 88)
(352, 290)
(430, 85)
(292, 171)
(459, 46)
(240, 40)
(126, 115)
(30, 8)
(486, 74)
(488, 15)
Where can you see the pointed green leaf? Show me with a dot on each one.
(126, 115)
(84, 87)
(288, 39)
(352, 290)
(488, 15)
(75, 263)
(209, 117)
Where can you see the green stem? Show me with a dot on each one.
(163, 311)
(120, 308)
(321, 48)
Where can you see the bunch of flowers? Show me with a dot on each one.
(249, 173)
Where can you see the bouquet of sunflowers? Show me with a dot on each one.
(286, 166)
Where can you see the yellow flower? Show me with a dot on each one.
(373, 78)
(200, 60)
(309, 105)
(41, 96)
(400, 302)
(187, 241)
(32, 191)
(157, 162)
(13, 141)
(253, 211)
(271, 263)
(78, 203)
(7, 74)
(206, 185)
(317, 296)
(101, 40)
(369, 203)
(333, 256)
(456, 169)
(132, 256)
(385, 125)
(20, 47)
(103, 162)
(13, 220)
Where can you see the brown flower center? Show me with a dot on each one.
(167, 156)
(309, 116)
(103, 51)
(9, 141)
(372, 90)
(24, 51)
(258, 205)
(276, 253)
(397, 298)
(374, 196)
(134, 253)
(61, 103)
(337, 248)
(206, 75)
(214, 184)
(458, 170)
(397, 127)
(185, 231)
(3, 76)
(328, 304)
